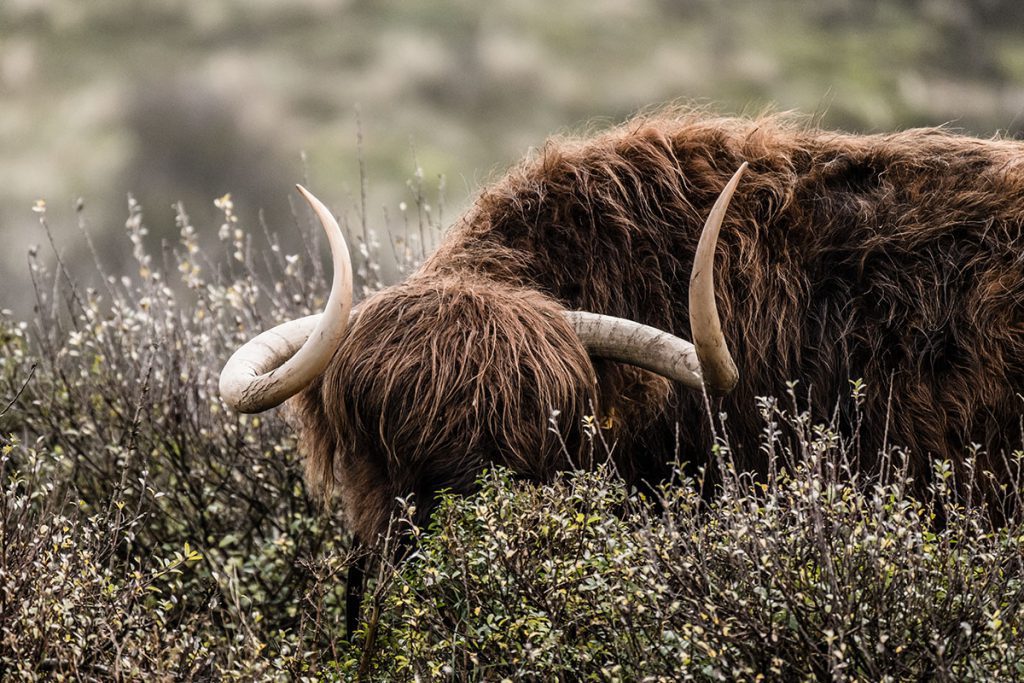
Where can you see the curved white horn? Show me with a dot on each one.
(716, 363)
(706, 362)
(280, 362)
(630, 342)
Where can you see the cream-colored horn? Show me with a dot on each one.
(716, 363)
(630, 342)
(280, 362)
(707, 361)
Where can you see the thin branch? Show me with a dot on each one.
(14, 400)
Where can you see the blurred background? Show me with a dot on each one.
(187, 100)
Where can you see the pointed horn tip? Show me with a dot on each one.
(319, 208)
(312, 200)
(740, 171)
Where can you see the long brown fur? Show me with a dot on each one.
(897, 258)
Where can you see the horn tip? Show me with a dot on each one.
(312, 200)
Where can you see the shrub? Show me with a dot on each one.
(816, 573)
(158, 530)
(76, 599)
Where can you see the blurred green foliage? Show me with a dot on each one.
(188, 100)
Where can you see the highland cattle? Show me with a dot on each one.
(572, 284)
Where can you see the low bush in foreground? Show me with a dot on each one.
(145, 529)
(814, 575)
(146, 532)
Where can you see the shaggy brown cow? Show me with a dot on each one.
(894, 258)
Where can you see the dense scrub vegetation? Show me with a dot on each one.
(148, 532)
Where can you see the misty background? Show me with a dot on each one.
(187, 100)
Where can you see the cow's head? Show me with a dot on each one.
(430, 380)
